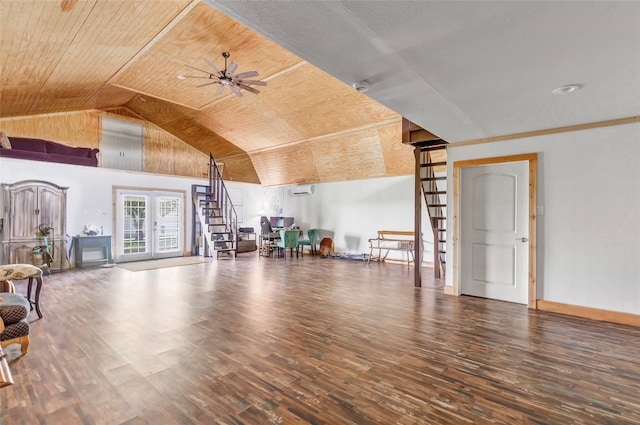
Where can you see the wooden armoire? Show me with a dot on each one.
(29, 206)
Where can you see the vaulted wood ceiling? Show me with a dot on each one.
(304, 127)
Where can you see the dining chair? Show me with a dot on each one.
(312, 235)
(288, 239)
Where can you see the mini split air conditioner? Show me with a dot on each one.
(302, 190)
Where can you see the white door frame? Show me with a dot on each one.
(532, 159)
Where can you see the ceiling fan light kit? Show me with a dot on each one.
(227, 78)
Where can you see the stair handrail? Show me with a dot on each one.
(222, 198)
(431, 200)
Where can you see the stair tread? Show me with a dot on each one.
(434, 164)
(426, 179)
(437, 192)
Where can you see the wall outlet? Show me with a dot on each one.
(540, 210)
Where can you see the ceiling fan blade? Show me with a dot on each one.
(235, 90)
(215, 68)
(246, 75)
(220, 90)
(197, 76)
(198, 69)
(247, 88)
(232, 68)
(253, 82)
(208, 84)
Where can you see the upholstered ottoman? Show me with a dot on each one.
(14, 328)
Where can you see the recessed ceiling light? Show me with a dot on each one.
(181, 77)
(142, 99)
(569, 88)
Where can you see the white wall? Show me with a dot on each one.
(588, 251)
(352, 212)
(89, 198)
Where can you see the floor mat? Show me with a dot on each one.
(138, 266)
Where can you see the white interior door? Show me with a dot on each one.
(494, 217)
(148, 225)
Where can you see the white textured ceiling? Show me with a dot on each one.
(468, 69)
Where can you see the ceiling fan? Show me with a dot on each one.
(226, 78)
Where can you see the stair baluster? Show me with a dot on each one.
(218, 217)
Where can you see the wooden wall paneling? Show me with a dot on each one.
(352, 156)
(203, 32)
(184, 123)
(72, 129)
(317, 104)
(35, 37)
(165, 154)
(267, 129)
(240, 168)
(399, 159)
(109, 36)
(109, 96)
(286, 165)
(121, 111)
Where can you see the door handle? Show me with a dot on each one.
(522, 239)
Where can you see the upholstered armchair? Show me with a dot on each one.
(288, 239)
(14, 327)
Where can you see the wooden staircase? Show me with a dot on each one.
(218, 218)
(431, 157)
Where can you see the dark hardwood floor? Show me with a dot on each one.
(309, 341)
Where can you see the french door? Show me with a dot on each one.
(149, 224)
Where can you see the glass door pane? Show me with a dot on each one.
(168, 226)
(133, 228)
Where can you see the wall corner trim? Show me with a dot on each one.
(448, 290)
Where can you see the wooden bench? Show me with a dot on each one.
(391, 240)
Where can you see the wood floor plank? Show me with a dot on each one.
(309, 341)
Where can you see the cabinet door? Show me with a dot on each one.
(52, 207)
(22, 212)
(22, 253)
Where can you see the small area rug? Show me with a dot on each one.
(138, 266)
